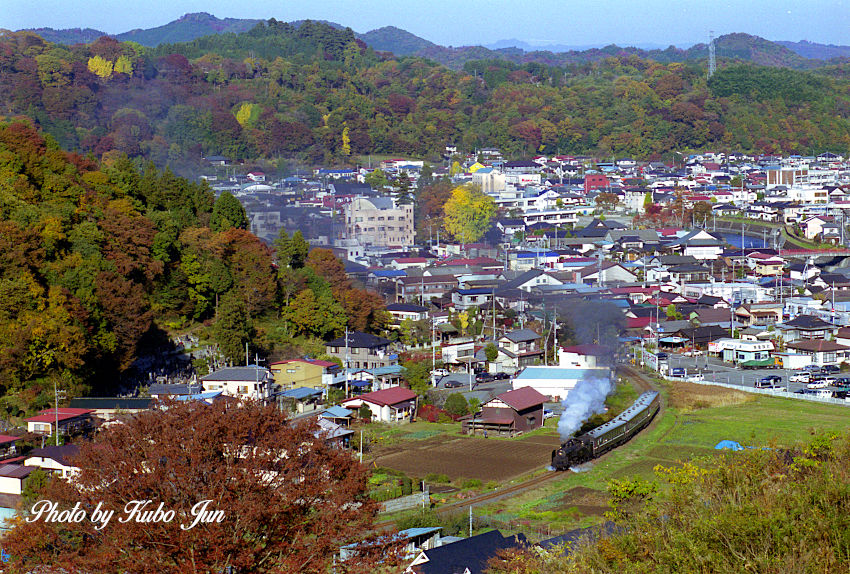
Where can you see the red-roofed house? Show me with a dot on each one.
(392, 405)
(71, 421)
(295, 373)
(7, 446)
(511, 412)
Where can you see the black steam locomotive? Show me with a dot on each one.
(603, 438)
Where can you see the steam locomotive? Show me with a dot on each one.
(605, 437)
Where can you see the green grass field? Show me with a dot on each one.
(675, 437)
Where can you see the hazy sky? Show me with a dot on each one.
(465, 22)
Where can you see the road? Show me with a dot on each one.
(713, 369)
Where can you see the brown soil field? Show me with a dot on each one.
(473, 457)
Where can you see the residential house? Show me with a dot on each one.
(762, 314)
(587, 356)
(294, 373)
(54, 459)
(164, 391)
(71, 421)
(8, 448)
(392, 405)
(110, 408)
(467, 556)
(12, 480)
(517, 349)
(407, 311)
(556, 382)
(244, 383)
(465, 299)
(806, 327)
(511, 412)
(764, 265)
(821, 352)
(604, 274)
(363, 351)
(698, 243)
(299, 400)
(424, 287)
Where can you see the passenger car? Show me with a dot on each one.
(803, 377)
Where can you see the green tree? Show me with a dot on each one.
(491, 352)
(468, 213)
(376, 179)
(291, 251)
(456, 404)
(417, 375)
(232, 327)
(228, 213)
(403, 187)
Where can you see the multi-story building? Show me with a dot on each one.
(363, 351)
(379, 222)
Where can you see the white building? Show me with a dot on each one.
(556, 382)
(244, 383)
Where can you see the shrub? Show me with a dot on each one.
(435, 478)
(456, 404)
(471, 483)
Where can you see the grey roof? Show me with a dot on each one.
(358, 339)
(60, 454)
(157, 389)
(521, 335)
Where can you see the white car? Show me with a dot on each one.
(800, 377)
(818, 384)
(692, 353)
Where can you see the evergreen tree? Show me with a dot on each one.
(232, 328)
(228, 213)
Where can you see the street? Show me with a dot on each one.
(713, 369)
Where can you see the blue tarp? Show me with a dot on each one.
(728, 444)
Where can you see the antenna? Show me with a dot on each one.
(712, 61)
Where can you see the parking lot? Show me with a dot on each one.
(713, 369)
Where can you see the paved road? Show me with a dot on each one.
(713, 369)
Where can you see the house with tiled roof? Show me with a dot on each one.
(71, 421)
(391, 405)
(821, 352)
(244, 383)
(511, 412)
(517, 349)
(363, 351)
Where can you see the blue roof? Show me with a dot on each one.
(360, 384)
(476, 291)
(198, 396)
(300, 392)
(386, 370)
(411, 532)
(389, 273)
(533, 254)
(336, 412)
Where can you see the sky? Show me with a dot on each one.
(470, 22)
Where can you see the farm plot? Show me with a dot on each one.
(472, 457)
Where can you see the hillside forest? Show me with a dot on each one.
(318, 94)
(97, 261)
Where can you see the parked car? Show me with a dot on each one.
(840, 394)
(830, 369)
(437, 373)
(452, 384)
(771, 379)
(842, 382)
(771, 382)
(692, 353)
(820, 383)
(803, 377)
(677, 372)
(501, 376)
(811, 368)
(823, 393)
(661, 356)
(484, 377)
(547, 414)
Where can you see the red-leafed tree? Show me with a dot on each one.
(289, 498)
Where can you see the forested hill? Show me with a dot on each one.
(318, 93)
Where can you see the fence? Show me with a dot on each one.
(415, 500)
(772, 393)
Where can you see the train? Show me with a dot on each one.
(612, 434)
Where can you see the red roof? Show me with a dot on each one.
(522, 398)
(391, 396)
(49, 415)
(476, 261)
(638, 322)
(588, 349)
(6, 438)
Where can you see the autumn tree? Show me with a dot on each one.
(228, 213)
(468, 213)
(288, 498)
(607, 200)
(291, 251)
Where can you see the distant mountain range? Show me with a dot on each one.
(799, 55)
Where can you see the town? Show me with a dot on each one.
(717, 270)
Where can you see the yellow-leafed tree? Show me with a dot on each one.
(100, 67)
(468, 213)
(123, 65)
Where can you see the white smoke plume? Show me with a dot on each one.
(582, 402)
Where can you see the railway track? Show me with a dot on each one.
(639, 379)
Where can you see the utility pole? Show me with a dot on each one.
(247, 360)
(470, 521)
(56, 395)
(347, 361)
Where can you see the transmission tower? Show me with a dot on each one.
(712, 62)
